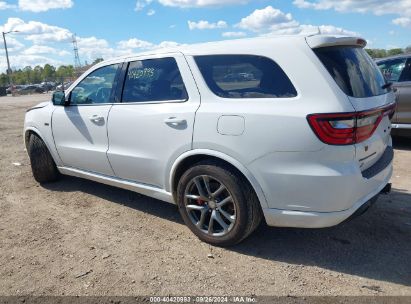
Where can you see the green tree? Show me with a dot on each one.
(377, 53)
(37, 73)
(49, 73)
(65, 72)
(25, 76)
(98, 60)
(4, 80)
(393, 52)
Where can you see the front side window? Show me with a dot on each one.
(245, 76)
(154, 80)
(392, 69)
(96, 88)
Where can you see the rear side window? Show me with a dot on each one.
(245, 76)
(392, 69)
(353, 70)
(154, 80)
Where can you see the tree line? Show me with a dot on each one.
(46, 73)
(38, 74)
(381, 53)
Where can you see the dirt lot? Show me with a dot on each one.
(77, 237)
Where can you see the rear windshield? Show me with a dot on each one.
(353, 70)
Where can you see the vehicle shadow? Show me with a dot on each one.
(401, 143)
(376, 245)
(119, 196)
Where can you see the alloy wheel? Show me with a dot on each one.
(210, 206)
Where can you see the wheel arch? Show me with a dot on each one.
(29, 131)
(33, 130)
(192, 157)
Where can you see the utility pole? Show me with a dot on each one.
(8, 61)
(9, 72)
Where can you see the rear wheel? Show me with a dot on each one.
(217, 204)
(42, 163)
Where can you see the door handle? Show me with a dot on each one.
(174, 121)
(97, 119)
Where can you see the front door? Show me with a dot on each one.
(80, 129)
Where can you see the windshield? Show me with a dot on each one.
(353, 70)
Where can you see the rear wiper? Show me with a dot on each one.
(388, 85)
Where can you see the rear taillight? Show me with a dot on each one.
(348, 128)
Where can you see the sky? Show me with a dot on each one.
(108, 28)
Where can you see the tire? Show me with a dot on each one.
(42, 164)
(237, 205)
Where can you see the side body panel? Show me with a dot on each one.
(39, 122)
(277, 144)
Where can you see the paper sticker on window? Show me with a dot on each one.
(143, 74)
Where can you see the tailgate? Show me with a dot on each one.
(359, 78)
(371, 150)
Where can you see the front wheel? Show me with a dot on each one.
(42, 163)
(217, 204)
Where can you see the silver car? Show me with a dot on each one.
(397, 70)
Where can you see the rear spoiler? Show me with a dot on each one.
(319, 41)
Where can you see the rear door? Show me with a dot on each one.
(153, 124)
(360, 79)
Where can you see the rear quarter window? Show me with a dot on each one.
(245, 76)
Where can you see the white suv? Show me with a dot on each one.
(295, 130)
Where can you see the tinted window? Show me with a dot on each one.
(245, 76)
(392, 69)
(96, 88)
(406, 75)
(154, 80)
(353, 70)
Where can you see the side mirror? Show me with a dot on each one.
(59, 98)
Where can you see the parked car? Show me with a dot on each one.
(47, 86)
(297, 149)
(63, 86)
(30, 89)
(397, 70)
(14, 87)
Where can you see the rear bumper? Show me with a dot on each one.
(301, 219)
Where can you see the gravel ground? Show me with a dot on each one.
(77, 237)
